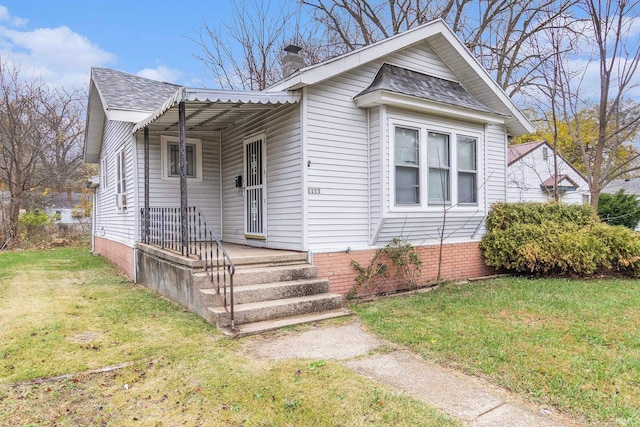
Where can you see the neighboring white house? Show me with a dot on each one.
(62, 208)
(531, 176)
(335, 160)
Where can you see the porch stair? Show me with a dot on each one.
(272, 291)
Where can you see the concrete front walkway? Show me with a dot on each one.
(475, 402)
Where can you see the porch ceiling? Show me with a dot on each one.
(207, 110)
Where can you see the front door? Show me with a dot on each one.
(255, 187)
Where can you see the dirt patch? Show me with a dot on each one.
(339, 342)
(85, 337)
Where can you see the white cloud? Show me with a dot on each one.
(160, 73)
(58, 55)
(5, 16)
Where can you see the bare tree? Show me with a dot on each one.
(245, 53)
(498, 32)
(40, 141)
(553, 46)
(611, 41)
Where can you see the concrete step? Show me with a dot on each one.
(272, 291)
(272, 274)
(269, 259)
(269, 325)
(275, 309)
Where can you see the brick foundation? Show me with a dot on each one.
(459, 261)
(118, 253)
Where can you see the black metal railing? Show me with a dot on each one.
(164, 229)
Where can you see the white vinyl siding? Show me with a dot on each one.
(112, 222)
(495, 161)
(348, 154)
(202, 192)
(284, 178)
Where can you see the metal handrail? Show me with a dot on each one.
(165, 230)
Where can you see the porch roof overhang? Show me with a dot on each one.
(210, 110)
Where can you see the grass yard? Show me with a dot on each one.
(65, 314)
(573, 345)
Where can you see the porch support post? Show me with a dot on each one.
(147, 214)
(183, 177)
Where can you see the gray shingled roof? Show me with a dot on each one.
(630, 186)
(125, 91)
(407, 82)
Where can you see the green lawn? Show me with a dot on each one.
(573, 345)
(64, 313)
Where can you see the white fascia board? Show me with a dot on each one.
(380, 97)
(127, 115)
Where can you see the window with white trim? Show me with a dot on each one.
(121, 173)
(467, 170)
(407, 162)
(433, 167)
(170, 147)
(104, 178)
(439, 163)
(121, 180)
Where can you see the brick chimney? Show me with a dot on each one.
(292, 61)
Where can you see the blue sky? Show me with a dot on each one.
(61, 40)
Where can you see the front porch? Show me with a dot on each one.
(260, 290)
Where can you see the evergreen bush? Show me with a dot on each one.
(555, 239)
(619, 209)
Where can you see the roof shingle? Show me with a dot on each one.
(407, 82)
(123, 91)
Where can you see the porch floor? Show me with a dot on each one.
(244, 254)
(239, 254)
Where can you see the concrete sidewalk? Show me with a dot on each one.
(475, 402)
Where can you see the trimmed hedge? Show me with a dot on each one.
(555, 239)
(503, 215)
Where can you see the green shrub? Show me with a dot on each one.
(549, 239)
(504, 215)
(32, 226)
(621, 246)
(619, 209)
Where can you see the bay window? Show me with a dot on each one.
(432, 167)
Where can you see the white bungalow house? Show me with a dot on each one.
(530, 176)
(328, 165)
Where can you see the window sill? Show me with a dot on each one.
(433, 209)
(177, 178)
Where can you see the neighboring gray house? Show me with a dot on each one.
(629, 185)
(332, 162)
(530, 176)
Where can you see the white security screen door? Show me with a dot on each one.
(255, 187)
